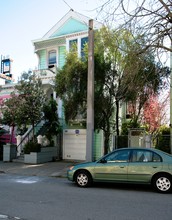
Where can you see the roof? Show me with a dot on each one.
(72, 22)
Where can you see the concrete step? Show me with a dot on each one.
(19, 159)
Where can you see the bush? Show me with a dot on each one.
(163, 139)
(128, 125)
(32, 147)
(163, 143)
(122, 141)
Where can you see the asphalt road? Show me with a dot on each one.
(49, 198)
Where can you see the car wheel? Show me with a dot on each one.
(162, 183)
(83, 178)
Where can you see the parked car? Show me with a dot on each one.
(127, 165)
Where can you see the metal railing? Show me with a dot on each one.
(29, 135)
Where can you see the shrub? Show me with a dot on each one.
(122, 141)
(32, 147)
(163, 139)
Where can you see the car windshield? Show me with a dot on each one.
(117, 156)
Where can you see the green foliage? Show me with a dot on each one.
(32, 99)
(128, 125)
(32, 146)
(51, 118)
(122, 141)
(25, 106)
(120, 74)
(163, 139)
(71, 85)
(10, 111)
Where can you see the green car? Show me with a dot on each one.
(127, 165)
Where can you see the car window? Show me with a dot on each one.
(156, 158)
(145, 156)
(118, 156)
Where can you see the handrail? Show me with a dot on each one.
(28, 132)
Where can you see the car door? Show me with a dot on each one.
(143, 164)
(113, 167)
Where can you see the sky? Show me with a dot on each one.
(22, 21)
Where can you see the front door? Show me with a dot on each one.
(114, 167)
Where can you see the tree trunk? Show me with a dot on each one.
(117, 116)
(33, 129)
(106, 142)
(11, 135)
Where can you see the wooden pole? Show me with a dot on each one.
(90, 95)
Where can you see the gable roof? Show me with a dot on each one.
(72, 22)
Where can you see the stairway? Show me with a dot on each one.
(40, 129)
(19, 159)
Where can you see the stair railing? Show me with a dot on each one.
(29, 136)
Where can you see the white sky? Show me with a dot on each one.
(22, 21)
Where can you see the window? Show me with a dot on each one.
(119, 156)
(84, 41)
(73, 45)
(156, 158)
(52, 57)
(145, 156)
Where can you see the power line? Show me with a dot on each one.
(68, 5)
(78, 14)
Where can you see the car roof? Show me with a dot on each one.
(151, 149)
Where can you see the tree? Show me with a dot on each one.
(52, 122)
(32, 100)
(147, 80)
(10, 112)
(118, 76)
(71, 86)
(137, 76)
(154, 113)
(152, 21)
(149, 18)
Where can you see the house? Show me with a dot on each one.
(51, 50)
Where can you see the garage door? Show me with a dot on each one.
(74, 144)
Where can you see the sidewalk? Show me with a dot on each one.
(51, 169)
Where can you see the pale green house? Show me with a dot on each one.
(51, 50)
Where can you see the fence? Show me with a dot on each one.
(161, 142)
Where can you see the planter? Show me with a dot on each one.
(9, 152)
(47, 154)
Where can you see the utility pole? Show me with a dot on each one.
(171, 99)
(90, 95)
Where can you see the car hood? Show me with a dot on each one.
(86, 164)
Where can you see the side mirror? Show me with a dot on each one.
(103, 160)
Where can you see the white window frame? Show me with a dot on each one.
(48, 51)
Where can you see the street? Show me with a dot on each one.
(48, 198)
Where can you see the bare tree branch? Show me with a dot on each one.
(149, 18)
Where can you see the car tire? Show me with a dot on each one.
(83, 178)
(162, 183)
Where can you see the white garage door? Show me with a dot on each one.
(74, 144)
